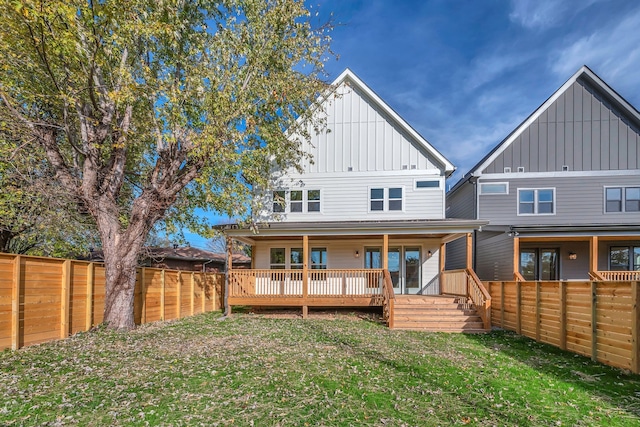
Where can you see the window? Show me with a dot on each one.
(277, 259)
(622, 199)
(494, 188)
(279, 201)
(395, 199)
(427, 184)
(520, 169)
(295, 204)
(624, 258)
(507, 169)
(296, 258)
(377, 199)
(313, 201)
(536, 201)
(318, 258)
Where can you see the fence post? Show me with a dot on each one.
(203, 281)
(537, 311)
(594, 326)
(518, 313)
(88, 320)
(64, 299)
(15, 302)
(162, 295)
(179, 297)
(635, 324)
(563, 315)
(143, 291)
(502, 305)
(193, 292)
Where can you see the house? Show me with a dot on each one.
(561, 192)
(184, 258)
(363, 224)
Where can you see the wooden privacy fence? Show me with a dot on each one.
(597, 319)
(43, 299)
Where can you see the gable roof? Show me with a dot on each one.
(349, 76)
(583, 74)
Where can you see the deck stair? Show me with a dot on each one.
(439, 313)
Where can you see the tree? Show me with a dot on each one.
(146, 110)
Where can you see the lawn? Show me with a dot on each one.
(258, 371)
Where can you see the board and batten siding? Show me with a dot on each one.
(360, 137)
(341, 253)
(580, 130)
(578, 200)
(346, 197)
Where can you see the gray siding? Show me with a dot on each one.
(580, 130)
(494, 256)
(579, 200)
(456, 254)
(569, 269)
(461, 203)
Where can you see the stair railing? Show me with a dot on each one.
(480, 297)
(388, 298)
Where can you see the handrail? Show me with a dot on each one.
(388, 298)
(480, 297)
(595, 275)
(618, 275)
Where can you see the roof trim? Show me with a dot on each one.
(347, 74)
(584, 72)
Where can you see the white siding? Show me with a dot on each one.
(361, 136)
(341, 253)
(345, 197)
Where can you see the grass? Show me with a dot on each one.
(257, 371)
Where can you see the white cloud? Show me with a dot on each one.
(614, 53)
(544, 14)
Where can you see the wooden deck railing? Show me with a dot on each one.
(389, 298)
(619, 276)
(288, 283)
(464, 282)
(454, 282)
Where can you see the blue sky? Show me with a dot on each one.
(465, 73)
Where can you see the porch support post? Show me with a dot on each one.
(305, 275)
(227, 282)
(469, 252)
(442, 254)
(385, 251)
(593, 255)
(516, 257)
(253, 257)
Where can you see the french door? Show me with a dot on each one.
(539, 264)
(404, 267)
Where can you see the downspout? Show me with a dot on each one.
(204, 269)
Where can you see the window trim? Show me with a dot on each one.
(505, 183)
(385, 200)
(536, 201)
(623, 199)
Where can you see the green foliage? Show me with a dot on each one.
(182, 104)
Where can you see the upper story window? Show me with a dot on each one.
(622, 199)
(625, 258)
(279, 201)
(313, 200)
(536, 201)
(428, 184)
(296, 200)
(494, 188)
(389, 199)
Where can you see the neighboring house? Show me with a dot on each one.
(371, 199)
(561, 192)
(183, 258)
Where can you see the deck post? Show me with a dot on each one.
(305, 275)
(385, 251)
(516, 256)
(593, 254)
(443, 259)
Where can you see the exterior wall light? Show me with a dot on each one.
(356, 254)
(573, 255)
